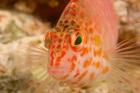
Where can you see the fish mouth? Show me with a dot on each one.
(54, 72)
(57, 72)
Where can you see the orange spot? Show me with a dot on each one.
(90, 29)
(87, 63)
(97, 40)
(105, 70)
(84, 51)
(98, 52)
(85, 39)
(97, 64)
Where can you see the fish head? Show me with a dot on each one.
(67, 49)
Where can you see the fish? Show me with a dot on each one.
(83, 48)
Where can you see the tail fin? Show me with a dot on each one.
(126, 67)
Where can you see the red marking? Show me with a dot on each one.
(75, 48)
(57, 62)
(58, 46)
(60, 40)
(58, 59)
(77, 73)
(82, 76)
(84, 51)
(52, 46)
(72, 59)
(73, 5)
(51, 59)
(66, 12)
(47, 35)
(73, 13)
(66, 21)
(65, 47)
(63, 53)
(76, 29)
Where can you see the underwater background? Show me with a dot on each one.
(23, 24)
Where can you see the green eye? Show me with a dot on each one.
(78, 40)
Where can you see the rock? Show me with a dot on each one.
(121, 8)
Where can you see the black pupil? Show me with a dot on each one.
(78, 40)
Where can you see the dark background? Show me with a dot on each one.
(47, 10)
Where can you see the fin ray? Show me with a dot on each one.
(125, 60)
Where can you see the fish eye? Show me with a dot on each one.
(78, 40)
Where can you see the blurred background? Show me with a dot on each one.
(47, 10)
(23, 24)
(50, 10)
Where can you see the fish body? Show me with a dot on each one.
(82, 62)
(83, 47)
